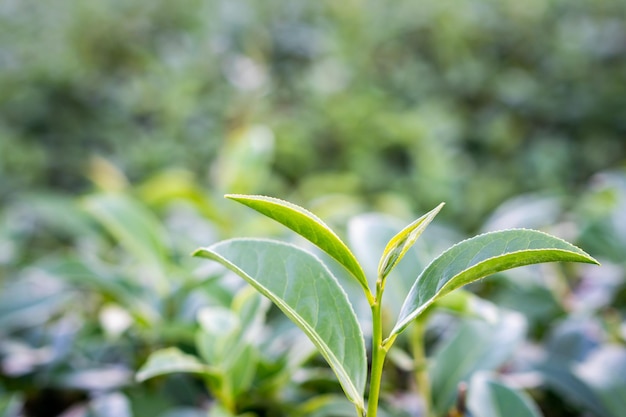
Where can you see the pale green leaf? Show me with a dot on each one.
(488, 397)
(402, 242)
(328, 405)
(217, 339)
(479, 257)
(137, 230)
(305, 290)
(460, 356)
(11, 404)
(243, 369)
(309, 226)
(604, 371)
(171, 360)
(133, 225)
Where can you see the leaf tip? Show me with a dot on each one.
(233, 196)
(199, 253)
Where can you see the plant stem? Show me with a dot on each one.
(421, 369)
(378, 354)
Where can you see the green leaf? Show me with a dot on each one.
(459, 356)
(559, 377)
(241, 374)
(488, 397)
(309, 226)
(305, 290)
(217, 339)
(605, 373)
(133, 225)
(402, 242)
(84, 272)
(10, 404)
(171, 360)
(328, 405)
(137, 230)
(479, 257)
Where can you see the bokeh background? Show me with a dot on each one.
(123, 122)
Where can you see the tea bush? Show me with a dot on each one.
(123, 122)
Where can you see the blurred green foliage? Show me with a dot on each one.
(511, 112)
(468, 102)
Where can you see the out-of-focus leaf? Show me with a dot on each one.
(525, 211)
(605, 372)
(132, 225)
(602, 218)
(305, 290)
(184, 412)
(478, 257)
(217, 340)
(514, 292)
(111, 404)
(330, 405)
(308, 226)
(171, 360)
(31, 300)
(98, 379)
(10, 405)
(244, 161)
(20, 359)
(251, 308)
(402, 242)
(573, 339)
(241, 373)
(475, 346)
(487, 397)
(559, 376)
(325, 406)
(467, 304)
(82, 273)
(174, 185)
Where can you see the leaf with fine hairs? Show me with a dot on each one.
(309, 226)
(402, 242)
(478, 257)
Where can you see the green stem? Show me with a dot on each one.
(421, 366)
(378, 354)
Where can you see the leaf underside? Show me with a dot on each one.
(307, 225)
(171, 360)
(478, 257)
(305, 290)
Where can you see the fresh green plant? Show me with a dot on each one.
(306, 290)
(238, 359)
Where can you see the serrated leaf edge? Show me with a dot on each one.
(400, 326)
(359, 274)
